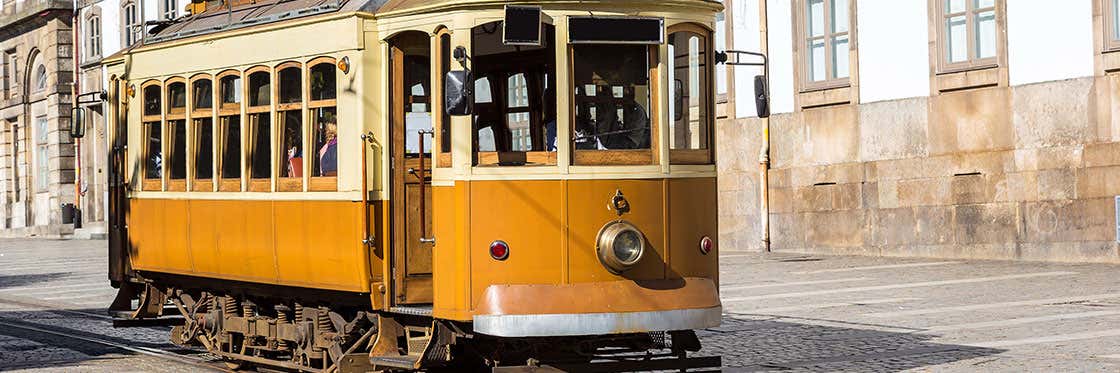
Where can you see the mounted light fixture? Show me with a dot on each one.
(499, 250)
(131, 90)
(706, 245)
(344, 65)
(620, 246)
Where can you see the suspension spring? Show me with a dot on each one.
(323, 321)
(229, 306)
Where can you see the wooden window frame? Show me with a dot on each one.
(197, 114)
(225, 109)
(147, 184)
(706, 155)
(255, 184)
(802, 52)
(319, 183)
(940, 16)
(443, 159)
(288, 184)
(175, 114)
(621, 157)
(531, 158)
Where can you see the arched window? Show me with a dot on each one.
(152, 95)
(202, 135)
(289, 123)
(259, 128)
(690, 108)
(229, 130)
(324, 155)
(40, 78)
(93, 35)
(176, 134)
(130, 24)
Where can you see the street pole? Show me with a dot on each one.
(74, 101)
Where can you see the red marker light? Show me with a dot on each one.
(706, 245)
(499, 250)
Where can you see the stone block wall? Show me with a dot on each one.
(1024, 172)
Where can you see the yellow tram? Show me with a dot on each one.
(374, 185)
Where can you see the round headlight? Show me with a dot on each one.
(620, 246)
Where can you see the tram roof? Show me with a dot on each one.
(246, 14)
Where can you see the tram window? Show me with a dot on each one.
(514, 112)
(322, 82)
(444, 118)
(612, 108)
(689, 124)
(260, 127)
(154, 152)
(204, 148)
(178, 155)
(176, 97)
(325, 161)
(231, 89)
(290, 85)
(231, 146)
(152, 100)
(291, 143)
(203, 94)
(259, 89)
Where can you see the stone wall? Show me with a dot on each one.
(1024, 172)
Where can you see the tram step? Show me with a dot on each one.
(395, 361)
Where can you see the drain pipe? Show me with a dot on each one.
(764, 153)
(76, 56)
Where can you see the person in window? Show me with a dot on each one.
(156, 164)
(328, 153)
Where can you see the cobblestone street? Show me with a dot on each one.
(782, 312)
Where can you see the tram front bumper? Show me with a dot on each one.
(598, 308)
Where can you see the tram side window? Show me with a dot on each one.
(290, 123)
(444, 118)
(177, 130)
(689, 114)
(514, 112)
(152, 100)
(153, 153)
(259, 130)
(417, 115)
(202, 94)
(231, 91)
(324, 163)
(202, 139)
(612, 100)
(231, 146)
(229, 132)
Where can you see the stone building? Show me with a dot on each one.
(105, 27)
(36, 153)
(938, 128)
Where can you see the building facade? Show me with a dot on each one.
(36, 152)
(937, 128)
(105, 27)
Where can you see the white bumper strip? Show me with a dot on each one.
(546, 325)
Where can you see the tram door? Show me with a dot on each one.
(410, 147)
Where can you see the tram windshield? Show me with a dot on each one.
(612, 97)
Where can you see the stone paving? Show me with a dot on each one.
(782, 312)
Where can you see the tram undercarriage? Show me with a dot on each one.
(273, 333)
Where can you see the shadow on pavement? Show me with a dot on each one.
(11, 281)
(66, 338)
(772, 343)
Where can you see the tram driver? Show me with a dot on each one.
(612, 95)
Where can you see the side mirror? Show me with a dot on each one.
(458, 92)
(761, 96)
(77, 122)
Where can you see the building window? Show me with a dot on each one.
(167, 9)
(825, 26)
(11, 74)
(130, 24)
(1111, 27)
(40, 78)
(968, 34)
(93, 37)
(42, 164)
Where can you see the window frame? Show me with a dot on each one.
(147, 184)
(318, 183)
(439, 115)
(620, 157)
(129, 33)
(167, 12)
(193, 146)
(175, 114)
(258, 184)
(801, 46)
(1111, 26)
(288, 184)
(940, 16)
(706, 155)
(93, 34)
(225, 110)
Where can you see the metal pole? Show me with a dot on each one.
(764, 156)
(74, 99)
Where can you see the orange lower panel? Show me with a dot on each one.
(295, 243)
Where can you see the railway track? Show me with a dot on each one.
(78, 330)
